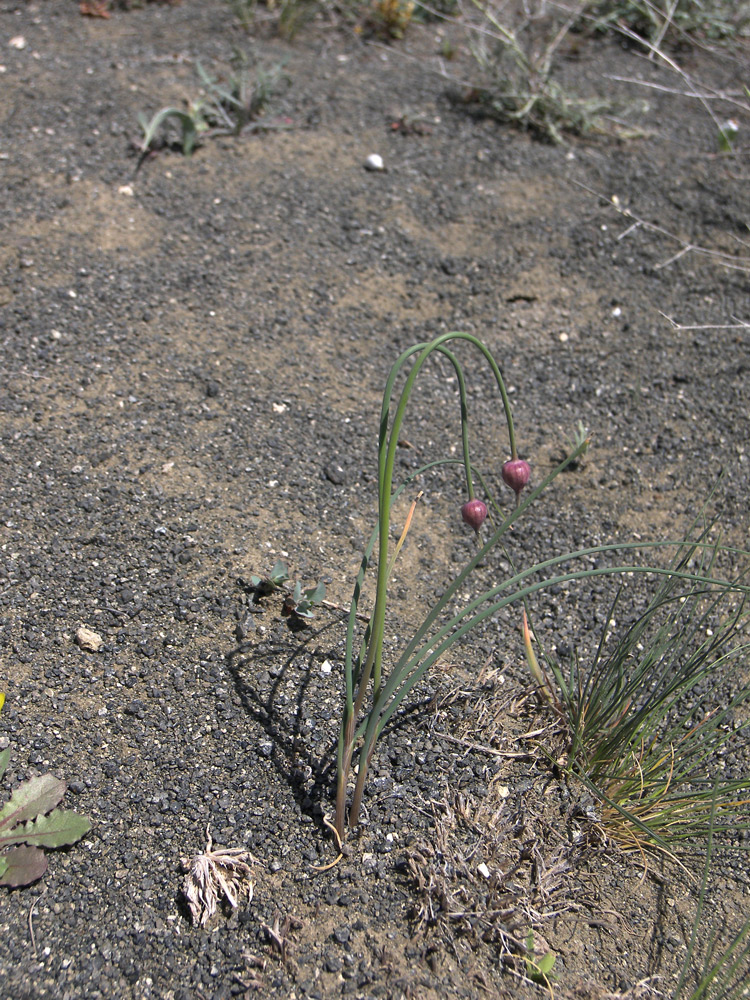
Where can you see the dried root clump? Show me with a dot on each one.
(487, 874)
(213, 876)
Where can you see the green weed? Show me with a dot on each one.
(29, 822)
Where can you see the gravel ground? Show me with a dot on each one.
(193, 352)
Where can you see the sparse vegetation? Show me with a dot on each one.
(489, 805)
(298, 601)
(636, 734)
(29, 823)
(228, 106)
(671, 19)
(394, 16)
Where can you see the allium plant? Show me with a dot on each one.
(372, 696)
(634, 738)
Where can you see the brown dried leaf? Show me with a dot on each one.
(213, 876)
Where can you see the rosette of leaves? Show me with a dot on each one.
(30, 822)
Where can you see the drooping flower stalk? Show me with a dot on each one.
(369, 661)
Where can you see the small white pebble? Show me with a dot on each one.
(617, 312)
(88, 640)
(374, 162)
(17, 42)
(564, 338)
(126, 189)
(326, 667)
(483, 870)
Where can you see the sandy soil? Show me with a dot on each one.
(193, 352)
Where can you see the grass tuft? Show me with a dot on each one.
(640, 733)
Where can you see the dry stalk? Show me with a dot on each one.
(715, 256)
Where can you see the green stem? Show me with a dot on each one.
(374, 724)
(352, 672)
(371, 666)
(388, 444)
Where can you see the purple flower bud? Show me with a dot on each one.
(474, 513)
(516, 474)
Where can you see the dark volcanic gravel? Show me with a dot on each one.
(193, 352)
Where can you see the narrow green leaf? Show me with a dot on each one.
(152, 127)
(23, 865)
(33, 798)
(4, 758)
(189, 136)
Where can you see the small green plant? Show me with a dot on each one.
(289, 15)
(275, 579)
(538, 967)
(236, 105)
(581, 436)
(393, 16)
(579, 440)
(517, 79)
(658, 19)
(727, 134)
(192, 124)
(299, 601)
(228, 107)
(29, 822)
(244, 11)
